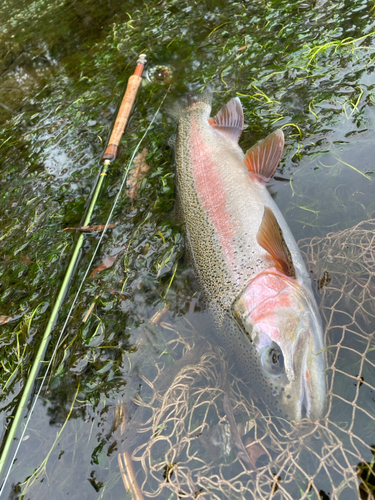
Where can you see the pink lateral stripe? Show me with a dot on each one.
(211, 191)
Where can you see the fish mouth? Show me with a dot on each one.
(305, 399)
(312, 378)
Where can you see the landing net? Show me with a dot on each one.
(186, 445)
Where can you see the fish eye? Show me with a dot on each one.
(273, 360)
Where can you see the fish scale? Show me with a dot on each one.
(223, 203)
(212, 269)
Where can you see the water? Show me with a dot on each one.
(304, 66)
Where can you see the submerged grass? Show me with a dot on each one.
(13, 359)
(42, 468)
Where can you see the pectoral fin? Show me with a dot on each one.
(229, 120)
(270, 237)
(263, 158)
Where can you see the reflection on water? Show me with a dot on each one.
(307, 67)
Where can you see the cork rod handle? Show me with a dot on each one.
(126, 107)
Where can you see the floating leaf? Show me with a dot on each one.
(87, 315)
(26, 259)
(136, 175)
(254, 450)
(96, 228)
(107, 263)
(112, 291)
(5, 319)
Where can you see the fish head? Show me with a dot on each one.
(279, 315)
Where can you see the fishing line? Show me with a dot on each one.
(36, 397)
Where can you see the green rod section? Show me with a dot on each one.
(22, 406)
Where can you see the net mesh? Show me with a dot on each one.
(197, 428)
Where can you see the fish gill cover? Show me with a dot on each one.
(304, 66)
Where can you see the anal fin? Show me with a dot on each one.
(263, 158)
(270, 237)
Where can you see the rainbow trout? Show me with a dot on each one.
(246, 260)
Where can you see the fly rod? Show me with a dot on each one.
(107, 159)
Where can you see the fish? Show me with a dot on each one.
(246, 261)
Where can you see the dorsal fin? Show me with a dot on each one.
(263, 158)
(229, 119)
(270, 237)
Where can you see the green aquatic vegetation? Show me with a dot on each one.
(16, 351)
